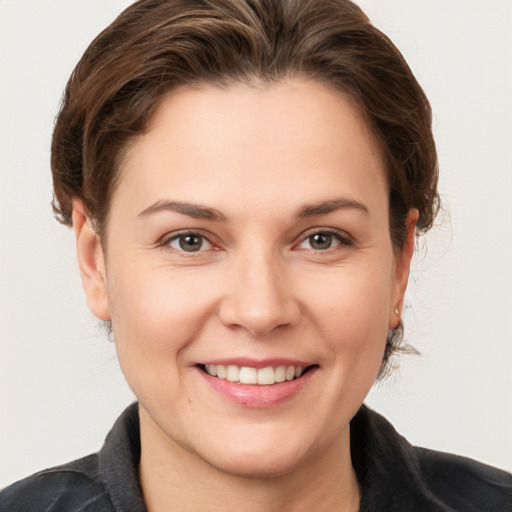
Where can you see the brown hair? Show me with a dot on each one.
(155, 46)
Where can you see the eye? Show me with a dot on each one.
(323, 240)
(189, 242)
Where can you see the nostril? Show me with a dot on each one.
(259, 321)
(258, 298)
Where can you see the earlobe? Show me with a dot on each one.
(91, 262)
(402, 268)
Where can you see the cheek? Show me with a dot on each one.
(154, 319)
(352, 317)
(351, 305)
(155, 315)
(349, 316)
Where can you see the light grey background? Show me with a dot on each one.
(60, 384)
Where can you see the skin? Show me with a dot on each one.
(258, 288)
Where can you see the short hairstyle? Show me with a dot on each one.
(156, 46)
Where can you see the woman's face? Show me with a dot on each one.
(248, 237)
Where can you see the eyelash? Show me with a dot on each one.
(166, 241)
(341, 237)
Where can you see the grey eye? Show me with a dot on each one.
(320, 241)
(190, 242)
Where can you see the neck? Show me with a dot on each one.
(171, 475)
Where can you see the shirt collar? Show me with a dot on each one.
(386, 465)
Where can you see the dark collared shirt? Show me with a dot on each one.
(395, 476)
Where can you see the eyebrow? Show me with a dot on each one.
(324, 207)
(202, 212)
(192, 210)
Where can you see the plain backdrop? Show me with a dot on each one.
(60, 385)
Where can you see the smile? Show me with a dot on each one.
(256, 376)
(257, 384)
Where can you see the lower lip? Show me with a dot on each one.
(258, 397)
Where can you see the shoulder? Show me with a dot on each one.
(72, 487)
(464, 483)
(102, 482)
(398, 476)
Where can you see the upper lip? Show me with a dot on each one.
(257, 363)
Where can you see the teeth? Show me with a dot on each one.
(266, 376)
(211, 369)
(248, 375)
(232, 373)
(221, 371)
(280, 374)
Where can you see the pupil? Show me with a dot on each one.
(191, 243)
(321, 241)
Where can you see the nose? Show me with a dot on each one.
(259, 296)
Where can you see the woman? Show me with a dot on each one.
(245, 181)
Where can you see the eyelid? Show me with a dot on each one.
(165, 240)
(342, 236)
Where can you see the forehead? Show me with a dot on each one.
(262, 143)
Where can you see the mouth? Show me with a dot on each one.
(249, 375)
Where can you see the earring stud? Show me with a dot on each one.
(397, 311)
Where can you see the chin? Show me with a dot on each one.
(256, 466)
(258, 454)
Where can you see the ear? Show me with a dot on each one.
(91, 262)
(401, 273)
